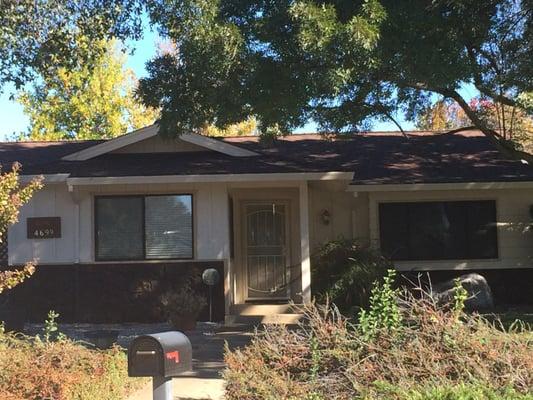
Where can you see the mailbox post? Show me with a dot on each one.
(160, 356)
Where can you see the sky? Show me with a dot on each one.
(13, 120)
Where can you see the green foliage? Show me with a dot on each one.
(237, 59)
(63, 370)
(38, 36)
(90, 101)
(50, 330)
(459, 297)
(341, 63)
(431, 354)
(344, 271)
(384, 313)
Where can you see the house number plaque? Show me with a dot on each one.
(44, 227)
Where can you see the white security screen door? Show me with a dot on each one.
(266, 250)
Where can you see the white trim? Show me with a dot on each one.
(304, 243)
(47, 178)
(113, 144)
(149, 132)
(217, 145)
(411, 187)
(121, 180)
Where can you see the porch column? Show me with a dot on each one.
(304, 242)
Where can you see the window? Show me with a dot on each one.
(143, 227)
(438, 230)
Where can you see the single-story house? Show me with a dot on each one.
(256, 212)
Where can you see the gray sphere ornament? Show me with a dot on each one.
(210, 277)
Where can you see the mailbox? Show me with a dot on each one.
(163, 355)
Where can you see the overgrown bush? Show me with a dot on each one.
(344, 272)
(433, 353)
(182, 304)
(62, 370)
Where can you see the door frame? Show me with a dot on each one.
(243, 204)
(276, 194)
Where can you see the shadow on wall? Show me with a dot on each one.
(108, 293)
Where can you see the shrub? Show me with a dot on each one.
(344, 272)
(435, 353)
(64, 370)
(384, 313)
(182, 305)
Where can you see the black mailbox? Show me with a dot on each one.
(164, 355)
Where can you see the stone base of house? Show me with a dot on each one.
(106, 293)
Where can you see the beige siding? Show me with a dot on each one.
(53, 201)
(515, 238)
(211, 225)
(348, 214)
(157, 144)
(351, 217)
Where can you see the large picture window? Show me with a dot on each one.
(438, 230)
(144, 227)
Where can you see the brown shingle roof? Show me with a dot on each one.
(375, 158)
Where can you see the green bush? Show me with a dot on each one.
(344, 272)
(62, 370)
(383, 313)
(433, 352)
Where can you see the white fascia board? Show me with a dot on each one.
(291, 176)
(113, 144)
(413, 187)
(217, 145)
(151, 131)
(47, 178)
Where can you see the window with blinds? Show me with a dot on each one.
(144, 227)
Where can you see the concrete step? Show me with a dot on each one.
(270, 319)
(263, 309)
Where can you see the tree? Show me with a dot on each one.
(12, 197)
(341, 63)
(91, 101)
(37, 36)
(244, 128)
(512, 123)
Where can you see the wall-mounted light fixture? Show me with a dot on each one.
(325, 217)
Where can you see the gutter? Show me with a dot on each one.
(414, 187)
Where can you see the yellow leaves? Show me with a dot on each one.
(91, 101)
(10, 279)
(244, 128)
(12, 197)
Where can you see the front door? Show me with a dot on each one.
(266, 251)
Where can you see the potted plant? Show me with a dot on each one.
(182, 306)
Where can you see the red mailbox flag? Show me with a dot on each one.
(173, 355)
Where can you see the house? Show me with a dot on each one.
(140, 203)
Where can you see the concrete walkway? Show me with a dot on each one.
(205, 381)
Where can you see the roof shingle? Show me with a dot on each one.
(375, 158)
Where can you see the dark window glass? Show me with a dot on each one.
(119, 228)
(144, 227)
(438, 230)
